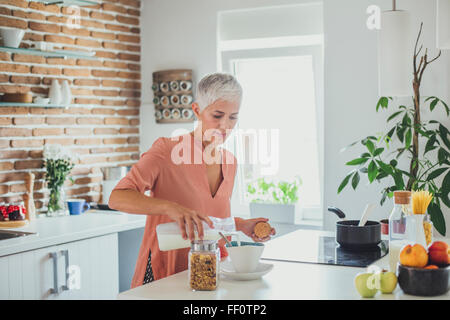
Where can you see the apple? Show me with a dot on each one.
(361, 284)
(388, 281)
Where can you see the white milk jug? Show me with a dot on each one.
(169, 234)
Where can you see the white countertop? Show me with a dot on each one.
(286, 281)
(57, 230)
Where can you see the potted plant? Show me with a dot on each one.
(275, 202)
(423, 171)
(58, 164)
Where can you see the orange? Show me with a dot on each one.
(414, 256)
(439, 253)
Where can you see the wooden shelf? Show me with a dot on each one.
(50, 54)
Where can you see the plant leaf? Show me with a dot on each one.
(372, 171)
(378, 151)
(433, 104)
(408, 138)
(370, 146)
(385, 167)
(436, 173)
(344, 182)
(355, 180)
(393, 115)
(437, 218)
(430, 144)
(382, 102)
(357, 161)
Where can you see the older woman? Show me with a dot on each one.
(185, 191)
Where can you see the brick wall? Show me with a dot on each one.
(103, 125)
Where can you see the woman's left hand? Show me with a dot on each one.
(247, 227)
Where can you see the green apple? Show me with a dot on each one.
(388, 281)
(361, 283)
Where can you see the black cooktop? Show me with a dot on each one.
(313, 247)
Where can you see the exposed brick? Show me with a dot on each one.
(13, 23)
(105, 131)
(92, 24)
(89, 63)
(74, 11)
(87, 180)
(133, 103)
(59, 39)
(36, 154)
(82, 190)
(4, 121)
(133, 85)
(47, 131)
(114, 46)
(113, 7)
(14, 188)
(5, 56)
(14, 89)
(76, 31)
(134, 122)
(127, 38)
(117, 27)
(76, 72)
(104, 73)
(87, 101)
(129, 75)
(89, 160)
(28, 120)
(88, 141)
(127, 56)
(25, 79)
(127, 149)
(128, 112)
(132, 140)
(124, 157)
(113, 83)
(17, 3)
(101, 16)
(82, 92)
(15, 132)
(106, 93)
(90, 121)
(88, 43)
(134, 48)
(44, 27)
(43, 7)
(61, 141)
(102, 150)
(28, 15)
(14, 154)
(28, 58)
(115, 64)
(48, 81)
(4, 166)
(135, 30)
(6, 67)
(116, 103)
(134, 12)
(87, 82)
(5, 11)
(134, 67)
(60, 120)
(4, 144)
(73, 110)
(114, 140)
(106, 54)
(127, 20)
(78, 131)
(58, 19)
(130, 94)
(3, 189)
(128, 130)
(28, 164)
(131, 3)
(103, 35)
(103, 111)
(27, 143)
(59, 61)
(46, 110)
(46, 70)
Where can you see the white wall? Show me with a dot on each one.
(182, 34)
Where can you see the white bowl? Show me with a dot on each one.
(11, 36)
(245, 258)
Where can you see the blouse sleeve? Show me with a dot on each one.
(145, 172)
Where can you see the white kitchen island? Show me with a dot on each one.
(286, 281)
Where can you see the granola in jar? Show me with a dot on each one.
(203, 265)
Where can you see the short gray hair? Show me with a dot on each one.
(218, 86)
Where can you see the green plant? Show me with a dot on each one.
(423, 172)
(269, 192)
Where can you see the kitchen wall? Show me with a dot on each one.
(183, 34)
(102, 126)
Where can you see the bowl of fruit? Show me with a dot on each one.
(423, 272)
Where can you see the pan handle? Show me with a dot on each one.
(337, 211)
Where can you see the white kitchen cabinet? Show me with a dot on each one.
(32, 274)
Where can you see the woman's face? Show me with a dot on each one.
(218, 119)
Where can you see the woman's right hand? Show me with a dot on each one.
(189, 218)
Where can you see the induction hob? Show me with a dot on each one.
(312, 246)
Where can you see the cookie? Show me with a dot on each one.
(262, 229)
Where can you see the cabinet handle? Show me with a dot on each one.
(55, 289)
(65, 253)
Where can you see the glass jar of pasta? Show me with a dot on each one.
(428, 228)
(204, 259)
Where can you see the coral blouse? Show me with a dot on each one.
(185, 183)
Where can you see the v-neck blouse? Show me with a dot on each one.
(185, 183)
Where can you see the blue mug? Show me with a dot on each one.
(77, 206)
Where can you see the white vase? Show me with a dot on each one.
(66, 94)
(55, 92)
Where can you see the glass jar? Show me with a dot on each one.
(428, 229)
(57, 202)
(397, 226)
(204, 259)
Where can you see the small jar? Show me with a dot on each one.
(204, 259)
(428, 229)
